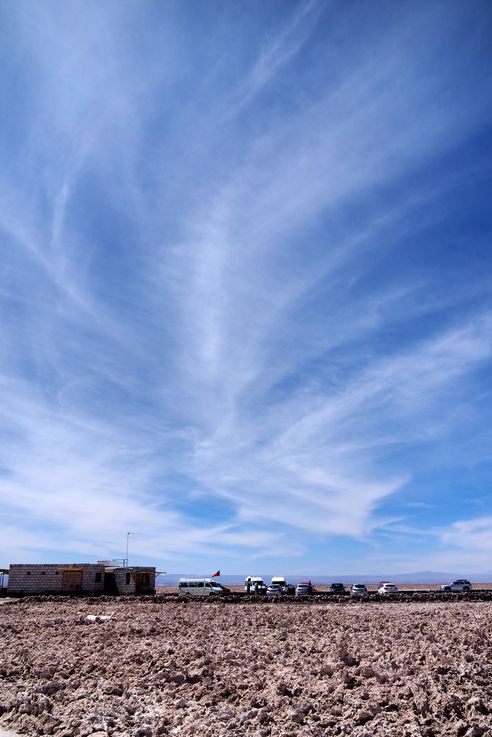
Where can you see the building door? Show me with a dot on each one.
(72, 581)
(110, 586)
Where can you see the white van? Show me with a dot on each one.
(286, 588)
(254, 581)
(280, 580)
(199, 587)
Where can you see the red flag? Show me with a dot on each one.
(216, 574)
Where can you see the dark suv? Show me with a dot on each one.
(337, 588)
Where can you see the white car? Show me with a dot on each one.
(275, 589)
(386, 587)
(359, 589)
(458, 586)
(305, 588)
(287, 588)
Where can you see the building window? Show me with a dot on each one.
(43, 573)
(57, 573)
(98, 578)
(127, 579)
(28, 573)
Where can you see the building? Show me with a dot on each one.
(79, 578)
(129, 580)
(4, 572)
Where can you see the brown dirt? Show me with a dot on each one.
(248, 670)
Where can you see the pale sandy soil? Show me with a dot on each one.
(246, 670)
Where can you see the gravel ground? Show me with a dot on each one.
(248, 670)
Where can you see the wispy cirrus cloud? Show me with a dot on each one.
(241, 305)
(276, 53)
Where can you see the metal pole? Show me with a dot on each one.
(127, 539)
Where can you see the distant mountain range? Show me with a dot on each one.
(171, 579)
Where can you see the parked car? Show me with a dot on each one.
(359, 589)
(256, 585)
(459, 586)
(386, 587)
(305, 588)
(287, 587)
(275, 589)
(337, 588)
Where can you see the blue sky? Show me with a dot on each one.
(245, 291)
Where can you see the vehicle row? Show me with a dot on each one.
(460, 585)
(279, 587)
(384, 588)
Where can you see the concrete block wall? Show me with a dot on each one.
(126, 579)
(38, 578)
(89, 583)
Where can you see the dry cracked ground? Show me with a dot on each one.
(246, 670)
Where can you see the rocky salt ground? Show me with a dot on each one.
(246, 670)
